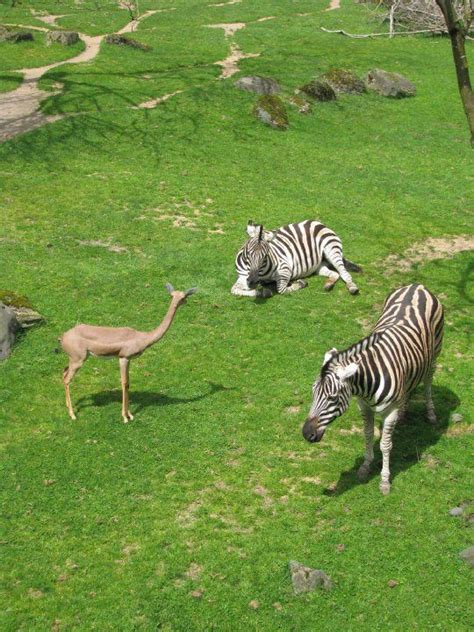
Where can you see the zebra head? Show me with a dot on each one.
(256, 251)
(331, 395)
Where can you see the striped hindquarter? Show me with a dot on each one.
(289, 254)
(381, 370)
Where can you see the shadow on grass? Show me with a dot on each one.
(145, 399)
(465, 283)
(410, 440)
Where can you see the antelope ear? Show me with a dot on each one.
(192, 290)
(329, 354)
(345, 372)
(169, 287)
(253, 230)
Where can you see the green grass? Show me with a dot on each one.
(9, 81)
(213, 471)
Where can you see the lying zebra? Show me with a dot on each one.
(381, 370)
(288, 254)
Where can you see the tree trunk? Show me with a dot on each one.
(457, 33)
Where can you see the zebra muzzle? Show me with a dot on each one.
(312, 432)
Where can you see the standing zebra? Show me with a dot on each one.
(288, 254)
(381, 370)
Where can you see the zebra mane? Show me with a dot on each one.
(347, 354)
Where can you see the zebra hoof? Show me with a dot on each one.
(385, 488)
(329, 286)
(431, 419)
(302, 284)
(363, 473)
(353, 289)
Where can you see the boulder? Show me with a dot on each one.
(21, 307)
(319, 90)
(259, 85)
(306, 579)
(66, 38)
(271, 110)
(343, 81)
(8, 328)
(389, 84)
(121, 40)
(10, 35)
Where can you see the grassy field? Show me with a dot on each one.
(186, 518)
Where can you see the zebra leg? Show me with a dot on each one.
(430, 411)
(402, 411)
(386, 446)
(334, 256)
(333, 277)
(368, 416)
(284, 285)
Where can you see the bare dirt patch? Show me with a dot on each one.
(225, 4)
(102, 244)
(230, 29)
(50, 19)
(229, 65)
(429, 250)
(334, 4)
(149, 105)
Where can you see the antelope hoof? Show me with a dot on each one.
(73, 416)
(385, 488)
(363, 473)
(130, 416)
(353, 289)
(125, 419)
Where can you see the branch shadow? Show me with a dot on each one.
(145, 399)
(410, 440)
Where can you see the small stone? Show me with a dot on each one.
(254, 604)
(456, 511)
(307, 579)
(277, 605)
(392, 583)
(468, 555)
(48, 481)
(456, 418)
(271, 110)
(66, 38)
(258, 84)
(341, 547)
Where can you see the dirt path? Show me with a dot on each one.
(229, 65)
(334, 4)
(19, 109)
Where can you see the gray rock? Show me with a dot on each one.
(9, 325)
(319, 90)
(468, 555)
(343, 81)
(456, 511)
(271, 110)
(10, 35)
(456, 418)
(66, 38)
(121, 40)
(306, 579)
(389, 84)
(258, 84)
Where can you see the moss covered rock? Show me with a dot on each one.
(21, 307)
(66, 38)
(271, 110)
(258, 84)
(344, 81)
(121, 40)
(319, 90)
(8, 34)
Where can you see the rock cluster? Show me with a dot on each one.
(121, 40)
(11, 35)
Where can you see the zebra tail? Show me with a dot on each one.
(351, 266)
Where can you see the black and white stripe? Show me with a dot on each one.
(382, 370)
(287, 255)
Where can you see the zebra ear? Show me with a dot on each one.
(269, 235)
(329, 354)
(253, 231)
(345, 372)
